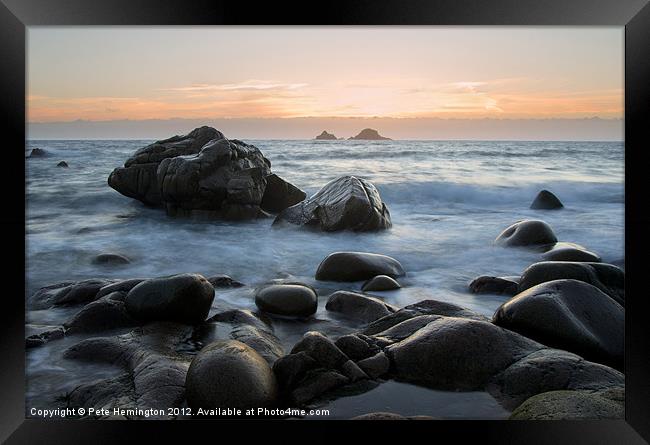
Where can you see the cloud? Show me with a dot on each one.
(248, 85)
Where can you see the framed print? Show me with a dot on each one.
(408, 211)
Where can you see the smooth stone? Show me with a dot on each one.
(345, 203)
(104, 314)
(121, 286)
(68, 293)
(570, 252)
(38, 153)
(528, 232)
(111, 259)
(279, 195)
(357, 346)
(606, 277)
(375, 366)
(224, 281)
(185, 298)
(380, 283)
(62, 164)
(292, 300)
(362, 308)
(570, 315)
(230, 374)
(494, 285)
(321, 349)
(546, 200)
(569, 405)
(357, 266)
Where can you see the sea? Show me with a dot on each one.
(448, 201)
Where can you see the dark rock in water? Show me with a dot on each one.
(570, 252)
(62, 164)
(279, 194)
(326, 136)
(357, 346)
(321, 349)
(224, 281)
(154, 372)
(185, 298)
(369, 134)
(120, 286)
(346, 203)
(67, 293)
(529, 232)
(293, 300)
(54, 333)
(380, 283)
(359, 307)
(375, 366)
(357, 266)
(569, 405)
(546, 200)
(606, 277)
(230, 374)
(111, 259)
(549, 370)
(202, 174)
(457, 353)
(421, 313)
(109, 312)
(570, 315)
(38, 153)
(494, 285)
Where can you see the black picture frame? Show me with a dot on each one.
(16, 15)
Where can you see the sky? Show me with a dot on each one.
(422, 81)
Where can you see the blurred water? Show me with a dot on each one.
(448, 201)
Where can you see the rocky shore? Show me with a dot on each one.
(552, 350)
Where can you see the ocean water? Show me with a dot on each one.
(448, 201)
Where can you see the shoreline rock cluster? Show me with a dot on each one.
(554, 350)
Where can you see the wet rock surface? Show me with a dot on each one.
(293, 300)
(527, 233)
(357, 266)
(546, 200)
(360, 307)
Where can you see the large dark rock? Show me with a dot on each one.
(230, 374)
(202, 174)
(570, 315)
(62, 164)
(114, 259)
(571, 405)
(38, 153)
(293, 300)
(363, 308)
(346, 203)
(107, 313)
(606, 277)
(326, 136)
(68, 293)
(357, 266)
(279, 194)
(370, 135)
(528, 232)
(457, 353)
(494, 285)
(570, 252)
(185, 298)
(546, 200)
(224, 281)
(380, 283)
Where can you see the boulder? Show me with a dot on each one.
(380, 283)
(528, 232)
(357, 266)
(224, 281)
(457, 353)
(47, 334)
(104, 314)
(570, 315)
(120, 286)
(326, 136)
(369, 134)
(357, 346)
(68, 293)
(494, 285)
(570, 252)
(375, 366)
(359, 307)
(346, 203)
(546, 200)
(606, 277)
(230, 374)
(62, 164)
(113, 259)
(279, 194)
(293, 300)
(185, 298)
(38, 153)
(569, 405)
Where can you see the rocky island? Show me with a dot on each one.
(368, 134)
(326, 136)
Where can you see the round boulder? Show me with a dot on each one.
(486, 284)
(528, 232)
(546, 200)
(570, 252)
(570, 315)
(185, 298)
(360, 307)
(229, 374)
(37, 153)
(293, 300)
(357, 266)
(62, 164)
(379, 283)
(112, 259)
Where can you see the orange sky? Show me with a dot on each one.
(103, 74)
